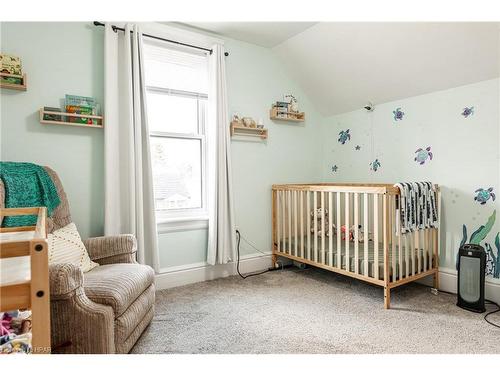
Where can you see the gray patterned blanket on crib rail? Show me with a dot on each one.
(417, 206)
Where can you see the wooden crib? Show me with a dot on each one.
(354, 230)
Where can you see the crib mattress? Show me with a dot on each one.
(421, 258)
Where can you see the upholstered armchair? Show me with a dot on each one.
(106, 309)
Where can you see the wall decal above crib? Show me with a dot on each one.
(398, 114)
(335, 168)
(423, 155)
(375, 165)
(344, 136)
(468, 111)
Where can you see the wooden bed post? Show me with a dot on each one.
(437, 240)
(274, 258)
(387, 289)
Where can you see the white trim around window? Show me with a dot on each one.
(178, 224)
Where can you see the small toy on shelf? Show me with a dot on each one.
(293, 105)
(236, 121)
(249, 122)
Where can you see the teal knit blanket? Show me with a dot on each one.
(27, 185)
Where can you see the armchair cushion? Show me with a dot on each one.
(112, 249)
(117, 285)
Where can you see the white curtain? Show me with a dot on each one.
(129, 201)
(221, 229)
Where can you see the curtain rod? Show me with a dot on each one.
(115, 28)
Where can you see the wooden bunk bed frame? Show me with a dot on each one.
(31, 291)
(299, 214)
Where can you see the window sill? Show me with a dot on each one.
(178, 224)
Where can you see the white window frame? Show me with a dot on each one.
(193, 215)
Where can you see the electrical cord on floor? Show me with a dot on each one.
(487, 314)
(492, 312)
(238, 236)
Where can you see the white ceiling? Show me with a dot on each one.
(341, 66)
(266, 34)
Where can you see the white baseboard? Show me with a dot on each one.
(204, 272)
(258, 262)
(448, 283)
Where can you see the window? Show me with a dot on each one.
(177, 93)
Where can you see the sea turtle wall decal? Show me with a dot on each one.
(423, 155)
(468, 111)
(335, 168)
(375, 165)
(398, 114)
(344, 136)
(483, 195)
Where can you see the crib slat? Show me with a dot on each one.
(407, 255)
(308, 215)
(323, 227)
(278, 219)
(424, 249)
(356, 232)
(412, 243)
(330, 230)
(301, 224)
(427, 246)
(375, 236)
(366, 234)
(339, 238)
(429, 249)
(385, 235)
(392, 213)
(400, 249)
(417, 246)
(295, 219)
(289, 206)
(315, 225)
(347, 229)
(283, 220)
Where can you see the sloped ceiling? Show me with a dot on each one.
(341, 66)
(265, 34)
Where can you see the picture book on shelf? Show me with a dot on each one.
(10, 64)
(81, 105)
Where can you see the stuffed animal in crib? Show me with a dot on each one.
(329, 229)
(361, 233)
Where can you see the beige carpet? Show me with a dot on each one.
(311, 311)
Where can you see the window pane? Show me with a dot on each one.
(174, 114)
(176, 172)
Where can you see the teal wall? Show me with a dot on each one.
(62, 58)
(465, 153)
(59, 59)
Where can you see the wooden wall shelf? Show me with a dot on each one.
(274, 114)
(100, 119)
(14, 86)
(248, 132)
